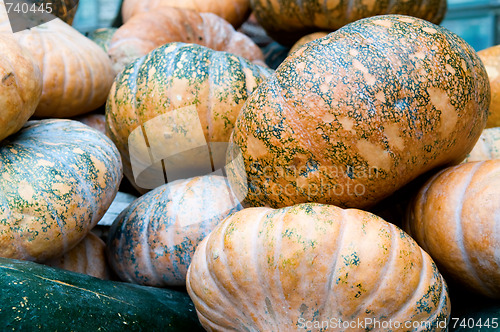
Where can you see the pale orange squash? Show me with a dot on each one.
(487, 147)
(283, 270)
(491, 59)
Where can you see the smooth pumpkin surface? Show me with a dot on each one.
(57, 179)
(307, 38)
(39, 297)
(153, 240)
(491, 60)
(94, 120)
(455, 219)
(288, 20)
(350, 118)
(147, 31)
(20, 86)
(274, 270)
(77, 73)
(487, 147)
(87, 257)
(177, 98)
(234, 11)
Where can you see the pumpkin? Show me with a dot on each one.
(147, 31)
(87, 257)
(94, 120)
(153, 240)
(234, 11)
(351, 117)
(288, 269)
(65, 10)
(102, 37)
(57, 179)
(307, 38)
(20, 86)
(77, 73)
(37, 297)
(182, 96)
(287, 21)
(454, 217)
(491, 60)
(487, 147)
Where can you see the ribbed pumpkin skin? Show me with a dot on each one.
(265, 270)
(57, 179)
(491, 61)
(350, 118)
(77, 73)
(147, 31)
(87, 257)
(487, 147)
(174, 76)
(20, 86)
(286, 21)
(153, 240)
(455, 219)
(233, 11)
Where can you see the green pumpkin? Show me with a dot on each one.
(57, 179)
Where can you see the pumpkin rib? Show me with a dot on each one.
(91, 88)
(153, 272)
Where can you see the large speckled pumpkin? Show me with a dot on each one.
(147, 31)
(177, 98)
(57, 179)
(233, 11)
(153, 240)
(487, 147)
(278, 270)
(491, 60)
(20, 86)
(77, 73)
(455, 218)
(350, 118)
(87, 257)
(286, 21)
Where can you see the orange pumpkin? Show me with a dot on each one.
(20, 86)
(77, 73)
(147, 31)
(307, 38)
(455, 218)
(87, 257)
(351, 117)
(491, 60)
(286, 21)
(289, 269)
(234, 11)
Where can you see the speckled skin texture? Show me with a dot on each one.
(455, 218)
(153, 240)
(491, 60)
(487, 147)
(350, 118)
(87, 257)
(273, 270)
(307, 38)
(147, 31)
(233, 11)
(77, 73)
(20, 86)
(288, 20)
(175, 76)
(102, 37)
(57, 179)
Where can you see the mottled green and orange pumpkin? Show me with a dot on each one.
(487, 147)
(277, 270)
(233, 11)
(147, 31)
(455, 218)
(174, 100)
(350, 118)
(286, 21)
(153, 240)
(491, 60)
(20, 86)
(57, 179)
(77, 73)
(87, 257)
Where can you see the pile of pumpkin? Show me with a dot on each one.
(343, 189)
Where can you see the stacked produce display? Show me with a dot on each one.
(293, 166)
